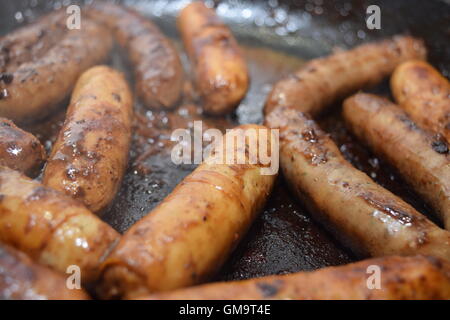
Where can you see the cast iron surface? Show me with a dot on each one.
(277, 37)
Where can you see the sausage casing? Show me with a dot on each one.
(30, 42)
(401, 278)
(38, 85)
(219, 66)
(23, 279)
(157, 66)
(19, 150)
(51, 228)
(423, 160)
(322, 81)
(189, 235)
(363, 215)
(89, 158)
(424, 94)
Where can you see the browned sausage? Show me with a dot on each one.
(401, 278)
(220, 68)
(322, 81)
(190, 234)
(22, 279)
(423, 160)
(30, 42)
(39, 84)
(363, 215)
(156, 63)
(424, 94)
(90, 156)
(51, 228)
(19, 150)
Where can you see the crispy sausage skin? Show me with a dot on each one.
(30, 42)
(322, 81)
(424, 94)
(365, 216)
(22, 279)
(37, 85)
(157, 66)
(402, 278)
(423, 160)
(19, 150)
(219, 66)
(190, 234)
(51, 228)
(90, 156)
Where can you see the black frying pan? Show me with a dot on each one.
(278, 36)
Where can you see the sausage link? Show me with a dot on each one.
(52, 229)
(322, 81)
(423, 160)
(89, 158)
(220, 68)
(30, 42)
(402, 278)
(22, 279)
(158, 71)
(39, 85)
(190, 234)
(363, 215)
(19, 150)
(424, 94)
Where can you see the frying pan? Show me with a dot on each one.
(277, 36)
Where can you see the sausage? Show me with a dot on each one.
(363, 215)
(322, 81)
(422, 159)
(424, 94)
(401, 278)
(51, 228)
(158, 71)
(220, 69)
(38, 85)
(30, 42)
(22, 279)
(190, 234)
(90, 156)
(20, 150)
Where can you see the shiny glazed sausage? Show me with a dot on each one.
(51, 228)
(23, 279)
(401, 278)
(38, 85)
(191, 233)
(421, 158)
(20, 150)
(322, 81)
(363, 215)
(220, 69)
(424, 94)
(90, 156)
(158, 71)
